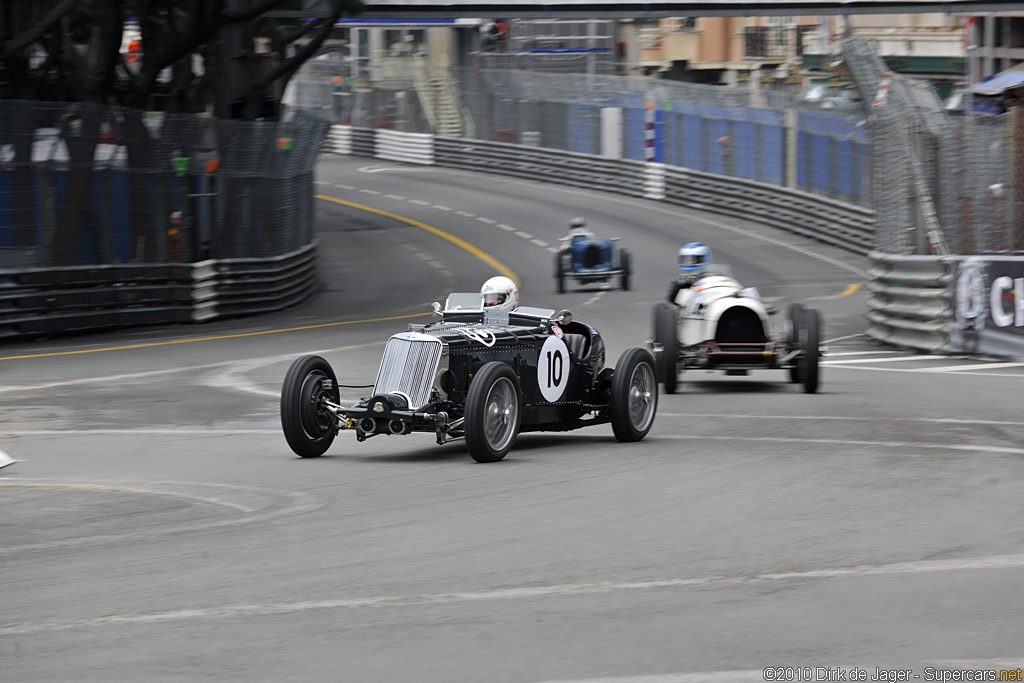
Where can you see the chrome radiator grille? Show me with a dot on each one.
(409, 365)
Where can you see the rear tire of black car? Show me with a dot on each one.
(309, 428)
(634, 397)
(624, 265)
(666, 333)
(560, 273)
(796, 313)
(809, 364)
(493, 412)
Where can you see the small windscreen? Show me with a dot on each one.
(463, 301)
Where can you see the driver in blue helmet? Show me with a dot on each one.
(694, 259)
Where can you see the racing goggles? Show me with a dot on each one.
(689, 262)
(494, 298)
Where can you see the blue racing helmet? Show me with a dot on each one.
(694, 257)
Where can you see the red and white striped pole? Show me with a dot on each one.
(649, 131)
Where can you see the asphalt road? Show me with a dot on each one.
(157, 527)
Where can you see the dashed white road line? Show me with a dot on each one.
(396, 196)
(975, 366)
(343, 187)
(467, 214)
(507, 228)
(484, 219)
(1011, 561)
(971, 448)
(525, 235)
(848, 418)
(539, 242)
(594, 299)
(419, 202)
(441, 207)
(881, 360)
(367, 191)
(553, 250)
(321, 182)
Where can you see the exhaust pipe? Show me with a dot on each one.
(396, 427)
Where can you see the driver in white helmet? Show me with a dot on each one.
(500, 295)
(577, 231)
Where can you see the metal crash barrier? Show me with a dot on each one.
(50, 302)
(911, 301)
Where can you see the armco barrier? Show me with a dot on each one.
(247, 286)
(51, 302)
(911, 301)
(538, 163)
(46, 302)
(414, 148)
(339, 140)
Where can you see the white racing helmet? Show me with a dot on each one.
(500, 294)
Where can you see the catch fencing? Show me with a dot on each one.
(125, 196)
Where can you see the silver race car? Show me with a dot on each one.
(717, 324)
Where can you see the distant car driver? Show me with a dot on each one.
(694, 259)
(500, 294)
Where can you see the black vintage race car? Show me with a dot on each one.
(481, 376)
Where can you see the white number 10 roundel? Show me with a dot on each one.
(553, 368)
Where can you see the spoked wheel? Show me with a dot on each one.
(493, 412)
(624, 265)
(796, 313)
(308, 426)
(810, 337)
(634, 397)
(666, 334)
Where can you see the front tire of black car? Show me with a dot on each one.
(634, 397)
(309, 428)
(493, 412)
(666, 334)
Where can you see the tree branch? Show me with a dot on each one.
(251, 13)
(20, 42)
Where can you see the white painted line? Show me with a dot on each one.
(553, 250)
(593, 299)
(539, 243)
(848, 418)
(420, 202)
(321, 182)
(849, 336)
(862, 353)
(441, 207)
(343, 187)
(934, 371)
(525, 235)
(507, 228)
(422, 255)
(976, 366)
(488, 221)
(1005, 450)
(369, 191)
(6, 460)
(1014, 561)
(434, 263)
(467, 214)
(882, 360)
(743, 676)
(395, 196)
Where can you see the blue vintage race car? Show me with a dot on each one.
(586, 258)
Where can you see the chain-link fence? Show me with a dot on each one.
(84, 184)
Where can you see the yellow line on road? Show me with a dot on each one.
(223, 336)
(850, 289)
(457, 241)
